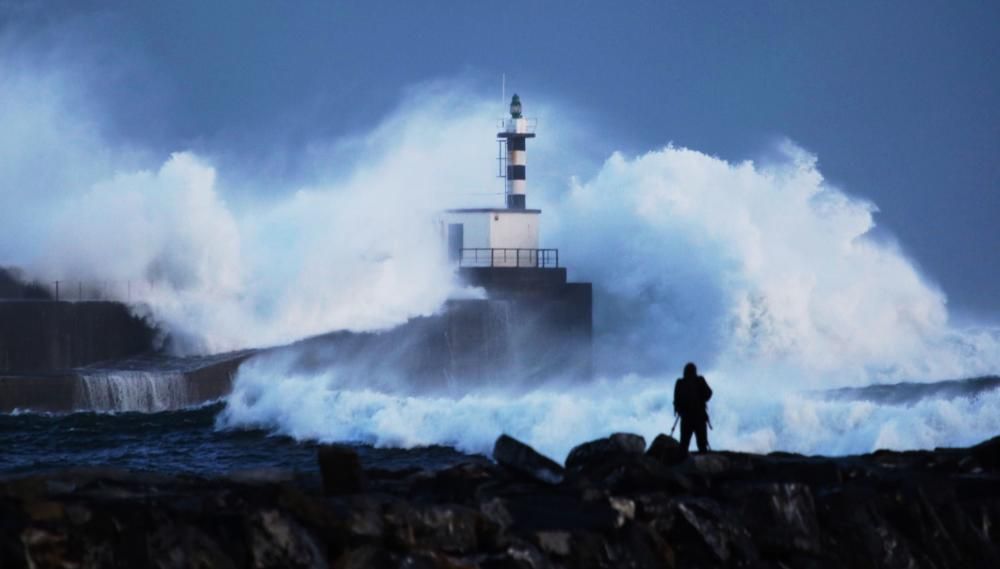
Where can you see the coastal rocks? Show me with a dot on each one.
(626, 509)
(340, 468)
(987, 453)
(666, 450)
(520, 457)
(605, 449)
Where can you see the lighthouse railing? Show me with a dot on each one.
(510, 257)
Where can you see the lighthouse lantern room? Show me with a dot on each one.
(503, 237)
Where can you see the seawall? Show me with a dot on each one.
(144, 389)
(63, 356)
(46, 336)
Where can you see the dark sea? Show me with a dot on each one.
(185, 441)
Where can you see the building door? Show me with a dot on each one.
(456, 237)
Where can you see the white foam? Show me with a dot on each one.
(129, 390)
(555, 418)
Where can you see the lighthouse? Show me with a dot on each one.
(502, 237)
(533, 321)
(515, 137)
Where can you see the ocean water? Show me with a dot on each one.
(277, 422)
(185, 441)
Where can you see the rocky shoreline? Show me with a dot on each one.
(615, 503)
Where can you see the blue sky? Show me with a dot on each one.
(899, 100)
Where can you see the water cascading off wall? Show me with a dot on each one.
(129, 390)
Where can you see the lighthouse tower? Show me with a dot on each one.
(515, 136)
(502, 237)
(533, 322)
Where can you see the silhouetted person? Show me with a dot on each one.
(691, 395)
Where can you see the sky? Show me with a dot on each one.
(900, 101)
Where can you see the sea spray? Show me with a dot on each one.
(554, 418)
(131, 390)
(766, 275)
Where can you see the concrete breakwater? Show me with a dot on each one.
(167, 387)
(98, 356)
(46, 336)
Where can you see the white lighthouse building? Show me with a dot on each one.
(502, 237)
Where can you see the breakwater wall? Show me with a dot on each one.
(533, 333)
(149, 388)
(45, 336)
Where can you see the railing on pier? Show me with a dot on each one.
(505, 257)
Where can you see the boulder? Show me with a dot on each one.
(520, 457)
(608, 448)
(340, 469)
(987, 453)
(633, 473)
(721, 534)
(666, 450)
(278, 541)
(449, 528)
(783, 516)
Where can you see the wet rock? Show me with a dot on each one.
(633, 473)
(365, 519)
(277, 541)
(544, 512)
(340, 469)
(364, 557)
(554, 542)
(625, 509)
(666, 450)
(448, 528)
(520, 457)
(176, 546)
(45, 511)
(518, 555)
(783, 515)
(606, 449)
(718, 533)
(495, 510)
(707, 464)
(987, 453)
(628, 509)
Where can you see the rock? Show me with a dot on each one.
(726, 540)
(987, 453)
(518, 555)
(340, 469)
(782, 515)
(554, 542)
(632, 473)
(44, 511)
(278, 541)
(560, 512)
(448, 528)
(496, 511)
(608, 448)
(708, 464)
(625, 509)
(898, 509)
(520, 457)
(364, 557)
(666, 450)
(261, 475)
(365, 519)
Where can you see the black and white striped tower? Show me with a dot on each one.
(515, 134)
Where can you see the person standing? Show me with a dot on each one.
(691, 395)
